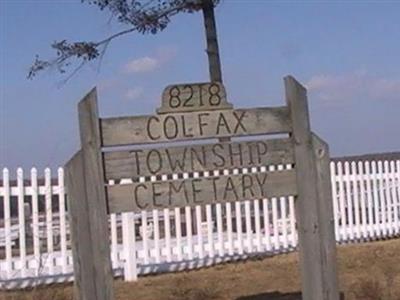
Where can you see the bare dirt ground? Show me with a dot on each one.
(367, 272)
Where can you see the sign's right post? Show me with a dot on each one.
(314, 213)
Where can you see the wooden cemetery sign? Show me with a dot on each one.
(188, 113)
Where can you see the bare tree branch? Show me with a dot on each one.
(150, 16)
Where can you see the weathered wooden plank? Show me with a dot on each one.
(197, 158)
(318, 280)
(199, 191)
(194, 97)
(194, 125)
(326, 216)
(84, 284)
(97, 249)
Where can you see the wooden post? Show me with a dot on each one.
(314, 202)
(325, 213)
(88, 209)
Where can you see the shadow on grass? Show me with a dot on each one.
(277, 296)
(272, 296)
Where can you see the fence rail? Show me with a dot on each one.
(35, 239)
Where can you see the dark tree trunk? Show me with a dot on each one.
(214, 62)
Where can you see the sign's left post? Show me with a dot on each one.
(88, 209)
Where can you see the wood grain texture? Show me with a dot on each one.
(84, 285)
(194, 97)
(200, 191)
(94, 254)
(326, 217)
(195, 125)
(197, 158)
(318, 281)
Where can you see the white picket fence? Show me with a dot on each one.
(35, 240)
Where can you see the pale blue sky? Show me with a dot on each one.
(346, 52)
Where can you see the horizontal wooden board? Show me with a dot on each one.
(137, 197)
(194, 125)
(194, 97)
(197, 158)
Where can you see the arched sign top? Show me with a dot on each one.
(194, 97)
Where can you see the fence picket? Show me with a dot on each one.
(178, 233)
(114, 235)
(21, 222)
(343, 216)
(62, 215)
(354, 183)
(398, 175)
(129, 246)
(382, 198)
(371, 231)
(395, 197)
(49, 221)
(114, 240)
(188, 226)
(275, 224)
(335, 200)
(239, 229)
(249, 231)
(200, 245)
(267, 232)
(284, 222)
(362, 199)
(145, 238)
(292, 215)
(229, 227)
(374, 179)
(397, 184)
(7, 222)
(388, 197)
(275, 229)
(167, 232)
(257, 224)
(156, 226)
(349, 199)
(283, 217)
(220, 232)
(210, 237)
(189, 231)
(35, 221)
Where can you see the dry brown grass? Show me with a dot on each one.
(43, 293)
(367, 272)
(182, 291)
